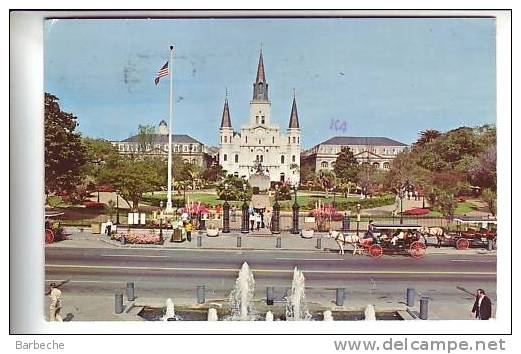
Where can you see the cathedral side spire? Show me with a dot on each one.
(260, 87)
(293, 119)
(226, 121)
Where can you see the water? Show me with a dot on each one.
(170, 310)
(328, 315)
(269, 316)
(212, 315)
(296, 306)
(241, 297)
(369, 313)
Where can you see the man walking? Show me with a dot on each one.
(56, 304)
(482, 306)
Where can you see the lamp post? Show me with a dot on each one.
(117, 208)
(295, 211)
(245, 216)
(275, 220)
(160, 221)
(334, 197)
(226, 211)
(358, 207)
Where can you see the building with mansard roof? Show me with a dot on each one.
(189, 149)
(261, 144)
(376, 151)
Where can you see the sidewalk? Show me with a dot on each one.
(248, 242)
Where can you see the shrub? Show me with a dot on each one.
(138, 238)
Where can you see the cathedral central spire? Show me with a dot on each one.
(226, 121)
(260, 87)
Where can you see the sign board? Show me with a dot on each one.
(130, 218)
(143, 219)
(136, 218)
(309, 219)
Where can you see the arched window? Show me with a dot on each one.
(246, 137)
(294, 140)
(282, 159)
(376, 165)
(282, 177)
(324, 164)
(236, 158)
(236, 174)
(387, 165)
(225, 157)
(298, 139)
(289, 141)
(273, 140)
(263, 120)
(225, 139)
(293, 158)
(256, 119)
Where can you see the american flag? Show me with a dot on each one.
(162, 73)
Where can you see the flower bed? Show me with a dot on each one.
(93, 205)
(417, 211)
(141, 239)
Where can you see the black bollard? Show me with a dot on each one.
(279, 242)
(340, 296)
(239, 241)
(270, 295)
(201, 294)
(424, 308)
(118, 304)
(130, 292)
(319, 242)
(410, 297)
(123, 240)
(199, 241)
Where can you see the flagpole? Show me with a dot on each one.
(169, 208)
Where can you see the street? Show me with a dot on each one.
(446, 279)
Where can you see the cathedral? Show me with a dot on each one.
(261, 146)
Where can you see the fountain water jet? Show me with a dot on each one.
(296, 307)
(269, 316)
(241, 297)
(170, 311)
(212, 315)
(369, 313)
(328, 315)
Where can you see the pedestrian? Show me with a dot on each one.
(189, 229)
(258, 219)
(218, 211)
(56, 304)
(252, 220)
(482, 306)
(234, 213)
(267, 220)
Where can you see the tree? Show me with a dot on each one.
(232, 188)
(346, 167)
(146, 137)
(446, 203)
(427, 136)
(133, 177)
(483, 170)
(65, 154)
(306, 174)
(490, 197)
(325, 180)
(213, 173)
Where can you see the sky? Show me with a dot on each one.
(352, 77)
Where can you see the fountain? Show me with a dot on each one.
(369, 313)
(269, 316)
(296, 307)
(241, 297)
(328, 315)
(170, 311)
(212, 315)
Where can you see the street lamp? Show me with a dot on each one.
(334, 197)
(358, 207)
(117, 208)
(245, 216)
(160, 221)
(295, 211)
(226, 211)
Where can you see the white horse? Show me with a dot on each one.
(342, 240)
(437, 232)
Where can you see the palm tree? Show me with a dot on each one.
(427, 136)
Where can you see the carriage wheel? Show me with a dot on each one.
(417, 249)
(376, 251)
(49, 236)
(462, 244)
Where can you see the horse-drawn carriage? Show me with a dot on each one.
(470, 232)
(53, 232)
(394, 239)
